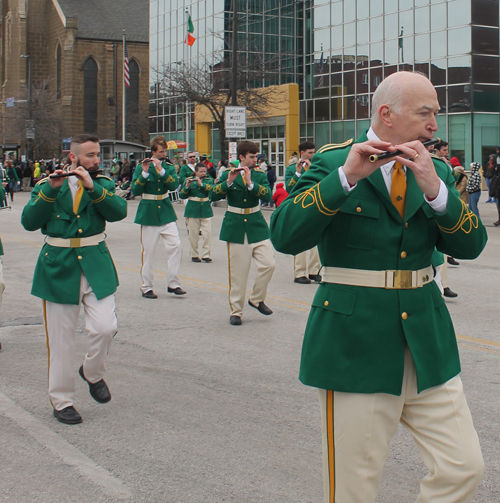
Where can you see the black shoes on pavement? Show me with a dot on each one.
(207, 260)
(235, 320)
(452, 261)
(315, 277)
(195, 259)
(150, 295)
(262, 308)
(449, 293)
(198, 259)
(177, 291)
(302, 280)
(99, 390)
(68, 415)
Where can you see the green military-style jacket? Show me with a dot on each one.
(235, 226)
(355, 336)
(58, 270)
(198, 209)
(291, 177)
(155, 212)
(185, 172)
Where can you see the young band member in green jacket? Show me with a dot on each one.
(379, 341)
(152, 180)
(199, 212)
(245, 230)
(75, 268)
(292, 176)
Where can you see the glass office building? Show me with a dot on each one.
(356, 43)
(343, 50)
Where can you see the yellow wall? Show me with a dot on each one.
(286, 103)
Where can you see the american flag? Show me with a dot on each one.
(126, 72)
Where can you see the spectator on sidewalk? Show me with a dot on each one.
(474, 187)
(280, 194)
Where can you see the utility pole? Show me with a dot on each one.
(30, 83)
(234, 61)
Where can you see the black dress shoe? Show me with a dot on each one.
(497, 223)
(302, 280)
(150, 295)
(452, 261)
(262, 308)
(99, 390)
(449, 293)
(207, 260)
(195, 259)
(178, 290)
(235, 320)
(315, 277)
(68, 415)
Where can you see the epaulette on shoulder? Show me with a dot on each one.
(43, 180)
(104, 176)
(228, 168)
(332, 146)
(259, 170)
(437, 157)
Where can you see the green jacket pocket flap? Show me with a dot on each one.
(59, 216)
(362, 207)
(335, 298)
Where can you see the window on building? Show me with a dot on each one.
(133, 91)
(365, 79)
(90, 96)
(58, 71)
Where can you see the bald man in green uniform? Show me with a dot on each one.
(379, 343)
(245, 230)
(74, 268)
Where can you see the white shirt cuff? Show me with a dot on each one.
(343, 181)
(439, 204)
(251, 186)
(161, 172)
(298, 174)
(229, 184)
(144, 174)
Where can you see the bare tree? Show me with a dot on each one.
(47, 117)
(209, 85)
(138, 124)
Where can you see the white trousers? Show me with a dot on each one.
(197, 225)
(357, 430)
(60, 327)
(300, 263)
(239, 261)
(150, 235)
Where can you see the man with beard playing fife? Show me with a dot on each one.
(75, 267)
(245, 230)
(379, 341)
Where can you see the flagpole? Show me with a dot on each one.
(123, 93)
(186, 48)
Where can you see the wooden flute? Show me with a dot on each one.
(388, 155)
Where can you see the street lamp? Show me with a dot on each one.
(30, 82)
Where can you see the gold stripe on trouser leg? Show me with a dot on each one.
(194, 236)
(314, 262)
(262, 253)
(300, 264)
(44, 307)
(206, 233)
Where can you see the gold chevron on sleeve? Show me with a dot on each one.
(315, 194)
(41, 195)
(218, 189)
(332, 146)
(466, 222)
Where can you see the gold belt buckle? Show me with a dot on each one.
(401, 280)
(74, 242)
(246, 211)
(158, 198)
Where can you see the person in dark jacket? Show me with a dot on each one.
(12, 179)
(488, 172)
(271, 177)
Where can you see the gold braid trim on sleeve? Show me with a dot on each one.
(315, 195)
(466, 217)
(292, 182)
(218, 189)
(137, 182)
(102, 197)
(169, 179)
(41, 195)
(262, 191)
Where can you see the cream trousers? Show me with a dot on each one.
(150, 235)
(300, 263)
(358, 428)
(197, 225)
(60, 328)
(240, 259)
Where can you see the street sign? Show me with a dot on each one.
(10, 102)
(66, 144)
(30, 133)
(234, 133)
(233, 147)
(236, 118)
(30, 123)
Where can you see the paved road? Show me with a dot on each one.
(203, 412)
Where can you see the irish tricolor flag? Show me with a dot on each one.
(190, 30)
